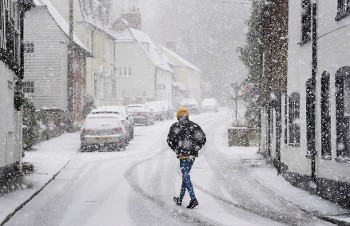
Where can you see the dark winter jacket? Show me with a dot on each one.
(186, 138)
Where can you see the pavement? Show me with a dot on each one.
(20, 190)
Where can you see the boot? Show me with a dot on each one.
(177, 201)
(193, 203)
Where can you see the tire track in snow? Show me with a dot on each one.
(257, 208)
(193, 218)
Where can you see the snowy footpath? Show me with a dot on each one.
(221, 176)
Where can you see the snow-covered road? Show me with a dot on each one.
(135, 187)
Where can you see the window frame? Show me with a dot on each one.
(342, 121)
(305, 18)
(28, 87)
(343, 9)
(28, 46)
(293, 115)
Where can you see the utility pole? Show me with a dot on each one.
(70, 93)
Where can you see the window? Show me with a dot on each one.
(28, 47)
(10, 33)
(343, 9)
(286, 119)
(294, 115)
(306, 21)
(325, 117)
(342, 83)
(28, 87)
(125, 72)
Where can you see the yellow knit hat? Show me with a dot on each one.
(182, 112)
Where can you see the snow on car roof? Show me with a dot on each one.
(189, 101)
(209, 100)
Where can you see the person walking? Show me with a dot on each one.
(186, 138)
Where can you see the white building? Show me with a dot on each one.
(91, 25)
(46, 39)
(187, 77)
(312, 143)
(11, 74)
(142, 73)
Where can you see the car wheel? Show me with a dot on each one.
(82, 149)
(122, 148)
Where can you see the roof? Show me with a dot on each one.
(95, 23)
(60, 22)
(180, 60)
(153, 52)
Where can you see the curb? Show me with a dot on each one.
(31, 197)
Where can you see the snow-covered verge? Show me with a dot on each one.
(48, 158)
(267, 176)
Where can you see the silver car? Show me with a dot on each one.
(102, 131)
(141, 114)
(126, 119)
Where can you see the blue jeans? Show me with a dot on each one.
(186, 166)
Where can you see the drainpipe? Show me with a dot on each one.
(313, 74)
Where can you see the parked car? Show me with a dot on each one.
(169, 110)
(141, 113)
(158, 109)
(191, 105)
(102, 130)
(123, 113)
(209, 104)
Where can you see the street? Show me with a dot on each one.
(135, 187)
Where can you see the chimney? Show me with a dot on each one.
(134, 18)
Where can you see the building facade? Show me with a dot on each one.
(187, 77)
(11, 69)
(142, 73)
(313, 138)
(91, 25)
(46, 62)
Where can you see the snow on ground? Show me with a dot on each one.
(130, 187)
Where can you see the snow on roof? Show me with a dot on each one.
(147, 45)
(125, 36)
(96, 23)
(59, 20)
(180, 59)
